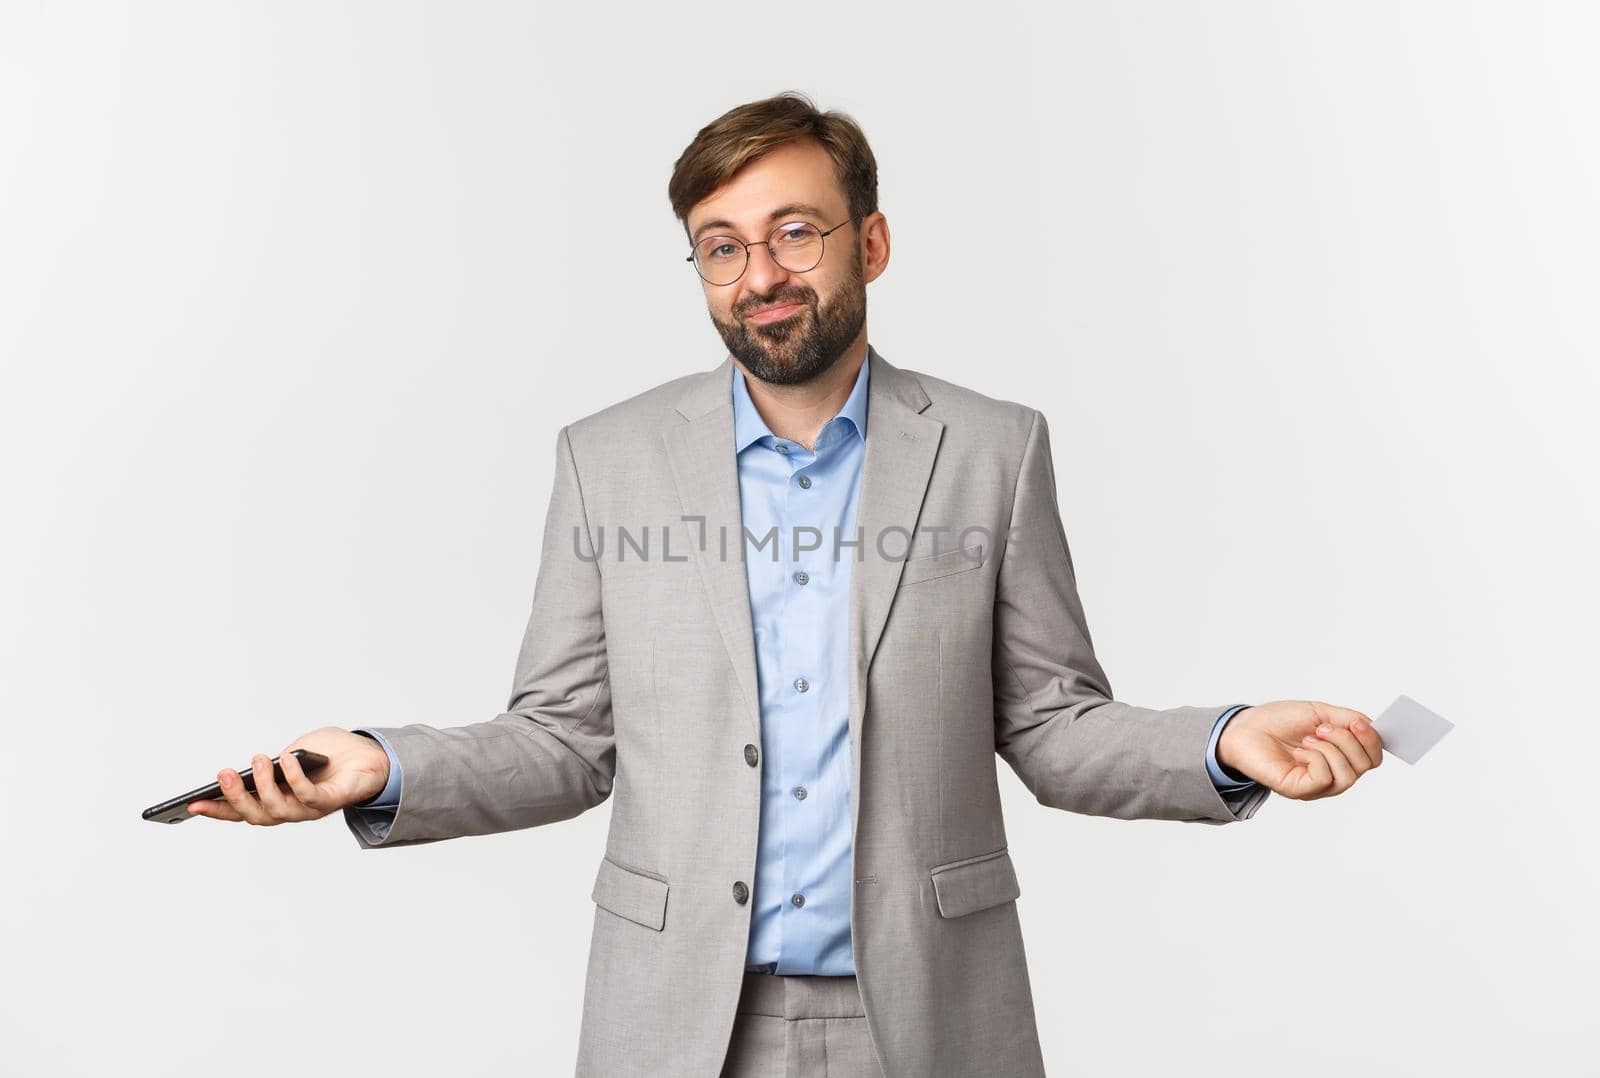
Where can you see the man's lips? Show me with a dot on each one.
(773, 314)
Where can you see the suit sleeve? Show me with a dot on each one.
(551, 754)
(1056, 723)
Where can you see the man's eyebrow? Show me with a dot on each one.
(804, 209)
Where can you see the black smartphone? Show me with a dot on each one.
(176, 809)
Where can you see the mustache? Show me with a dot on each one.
(756, 304)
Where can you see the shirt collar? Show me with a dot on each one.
(748, 426)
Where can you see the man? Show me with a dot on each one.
(789, 651)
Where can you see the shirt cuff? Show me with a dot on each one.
(389, 796)
(1220, 778)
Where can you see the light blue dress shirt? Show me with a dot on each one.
(799, 607)
(794, 501)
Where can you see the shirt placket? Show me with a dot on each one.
(802, 660)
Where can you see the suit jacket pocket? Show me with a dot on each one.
(626, 892)
(959, 560)
(975, 883)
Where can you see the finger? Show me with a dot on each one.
(304, 789)
(1318, 777)
(242, 800)
(1354, 752)
(273, 800)
(1343, 716)
(1324, 712)
(217, 810)
(1368, 735)
(1360, 725)
(1343, 777)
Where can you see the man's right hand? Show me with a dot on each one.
(357, 771)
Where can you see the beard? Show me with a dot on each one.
(798, 348)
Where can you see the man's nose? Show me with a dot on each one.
(762, 275)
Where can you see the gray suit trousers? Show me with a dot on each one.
(793, 1026)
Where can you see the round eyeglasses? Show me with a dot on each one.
(796, 247)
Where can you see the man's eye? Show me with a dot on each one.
(722, 250)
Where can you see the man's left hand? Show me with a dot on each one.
(1301, 749)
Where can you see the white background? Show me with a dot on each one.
(295, 297)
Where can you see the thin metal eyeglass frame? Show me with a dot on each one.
(767, 243)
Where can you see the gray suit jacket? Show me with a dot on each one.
(637, 680)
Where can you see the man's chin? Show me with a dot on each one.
(778, 367)
(777, 350)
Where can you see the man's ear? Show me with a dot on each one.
(875, 244)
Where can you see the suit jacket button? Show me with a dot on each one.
(740, 892)
(751, 756)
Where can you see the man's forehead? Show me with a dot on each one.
(789, 182)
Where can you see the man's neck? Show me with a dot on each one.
(799, 413)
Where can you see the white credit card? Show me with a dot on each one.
(1409, 730)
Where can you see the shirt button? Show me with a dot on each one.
(805, 482)
(801, 684)
(740, 892)
(798, 899)
(751, 756)
(802, 577)
(800, 792)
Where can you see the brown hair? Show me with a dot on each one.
(749, 131)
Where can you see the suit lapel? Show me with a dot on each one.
(700, 452)
(901, 446)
